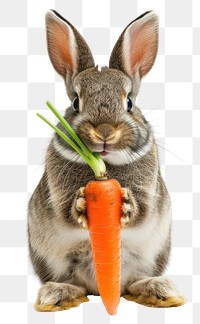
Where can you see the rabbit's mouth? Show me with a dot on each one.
(103, 153)
(103, 149)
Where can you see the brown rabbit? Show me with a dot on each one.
(104, 114)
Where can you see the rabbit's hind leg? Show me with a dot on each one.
(54, 296)
(155, 292)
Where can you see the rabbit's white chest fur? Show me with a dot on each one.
(139, 248)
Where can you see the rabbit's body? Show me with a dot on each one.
(104, 114)
(66, 250)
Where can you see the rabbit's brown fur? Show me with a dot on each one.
(59, 247)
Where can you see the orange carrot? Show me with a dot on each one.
(103, 201)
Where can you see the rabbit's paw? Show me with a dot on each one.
(80, 208)
(155, 292)
(129, 207)
(54, 296)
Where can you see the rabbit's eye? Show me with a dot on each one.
(75, 104)
(129, 104)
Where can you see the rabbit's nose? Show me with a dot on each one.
(105, 131)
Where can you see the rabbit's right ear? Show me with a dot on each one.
(67, 49)
(136, 48)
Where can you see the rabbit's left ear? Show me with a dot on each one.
(67, 49)
(136, 48)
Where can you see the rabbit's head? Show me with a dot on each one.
(103, 110)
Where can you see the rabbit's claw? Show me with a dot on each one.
(127, 206)
(82, 220)
(80, 204)
(81, 208)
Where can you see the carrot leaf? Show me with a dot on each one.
(92, 158)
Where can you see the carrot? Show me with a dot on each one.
(103, 202)
(103, 199)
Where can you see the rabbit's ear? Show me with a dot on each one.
(136, 48)
(67, 49)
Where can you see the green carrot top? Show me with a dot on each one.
(92, 158)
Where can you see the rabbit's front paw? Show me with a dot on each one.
(129, 207)
(80, 208)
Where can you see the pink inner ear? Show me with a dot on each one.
(135, 50)
(60, 49)
(142, 54)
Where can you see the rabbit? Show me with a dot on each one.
(104, 114)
